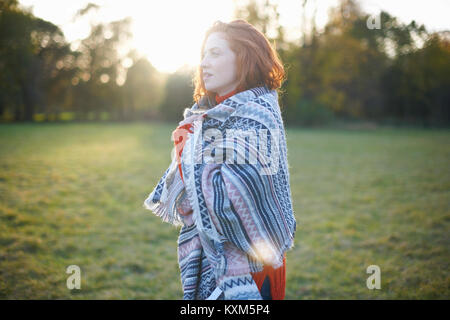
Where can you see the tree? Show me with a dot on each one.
(142, 90)
(417, 83)
(96, 88)
(27, 70)
(178, 94)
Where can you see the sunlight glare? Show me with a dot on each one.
(171, 35)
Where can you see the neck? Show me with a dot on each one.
(220, 98)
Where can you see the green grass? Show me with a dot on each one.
(73, 194)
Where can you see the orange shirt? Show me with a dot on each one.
(219, 99)
(277, 281)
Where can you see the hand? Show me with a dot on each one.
(184, 208)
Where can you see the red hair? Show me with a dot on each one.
(257, 62)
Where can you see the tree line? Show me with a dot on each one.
(352, 69)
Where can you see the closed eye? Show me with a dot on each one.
(214, 53)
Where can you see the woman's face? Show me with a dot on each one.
(219, 65)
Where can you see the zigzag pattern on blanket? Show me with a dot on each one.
(197, 276)
(189, 259)
(241, 287)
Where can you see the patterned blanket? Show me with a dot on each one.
(233, 202)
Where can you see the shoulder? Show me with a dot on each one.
(262, 108)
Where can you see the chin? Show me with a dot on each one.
(210, 89)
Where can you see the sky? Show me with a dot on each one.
(169, 32)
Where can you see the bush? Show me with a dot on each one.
(309, 113)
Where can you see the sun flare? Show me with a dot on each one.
(171, 36)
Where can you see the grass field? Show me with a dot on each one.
(72, 194)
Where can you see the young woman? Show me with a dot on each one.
(228, 184)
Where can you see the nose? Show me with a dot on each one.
(204, 63)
